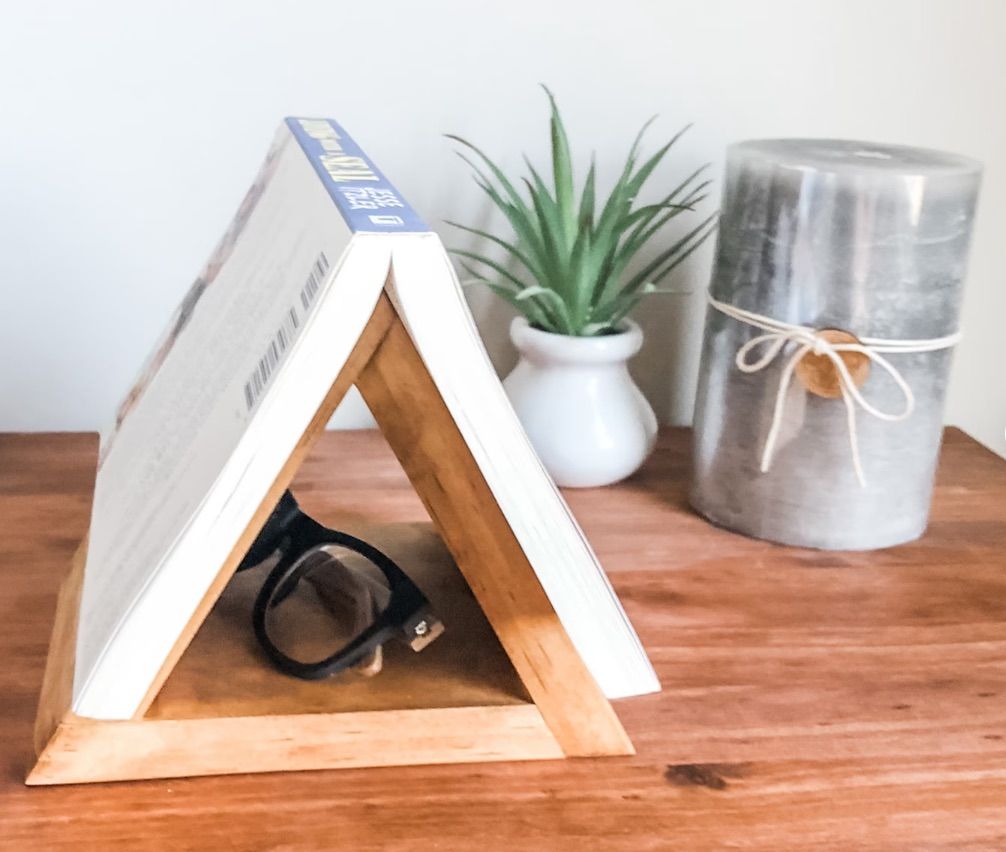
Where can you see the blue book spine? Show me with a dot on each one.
(365, 197)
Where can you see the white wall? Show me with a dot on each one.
(130, 131)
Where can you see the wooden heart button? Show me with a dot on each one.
(818, 374)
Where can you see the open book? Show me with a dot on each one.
(247, 360)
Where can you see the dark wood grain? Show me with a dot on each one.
(811, 699)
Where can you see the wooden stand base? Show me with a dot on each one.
(225, 709)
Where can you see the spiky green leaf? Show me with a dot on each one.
(576, 250)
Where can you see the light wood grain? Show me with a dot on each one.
(418, 426)
(85, 751)
(56, 696)
(842, 701)
(466, 667)
(818, 373)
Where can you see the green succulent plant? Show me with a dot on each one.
(566, 266)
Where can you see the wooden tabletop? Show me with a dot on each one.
(811, 699)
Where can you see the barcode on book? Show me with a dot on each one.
(285, 334)
(273, 354)
(311, 287)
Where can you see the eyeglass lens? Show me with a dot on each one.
(339, 594)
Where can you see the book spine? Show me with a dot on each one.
(365, 197)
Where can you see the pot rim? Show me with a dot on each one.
(571, 349)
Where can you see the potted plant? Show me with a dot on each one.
(566, 271)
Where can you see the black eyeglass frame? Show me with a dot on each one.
(292, 532)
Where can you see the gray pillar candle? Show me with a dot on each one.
(870, 239)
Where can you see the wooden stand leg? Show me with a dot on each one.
(414, 419)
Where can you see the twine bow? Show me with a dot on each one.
(809, 340)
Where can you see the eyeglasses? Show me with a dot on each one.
(339, 589)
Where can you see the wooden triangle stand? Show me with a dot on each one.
(515, 691)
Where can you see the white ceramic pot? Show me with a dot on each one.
(585, 416)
